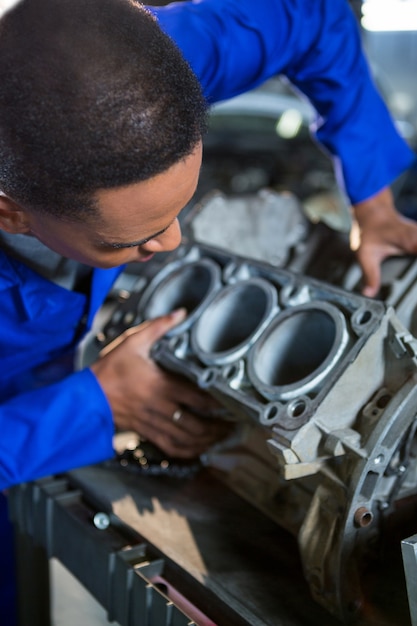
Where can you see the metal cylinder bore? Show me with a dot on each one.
(299, 348)
(187, 285)
(232, 321)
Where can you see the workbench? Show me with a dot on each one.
(164, 551)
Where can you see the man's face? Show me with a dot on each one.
(133, 222)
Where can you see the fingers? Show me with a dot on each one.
(151, 331)
(378, 232)
(410, 236)
(178, 431)
(159, 326)
(185, 421)
(183, 439)
(183, 393)
(370, 262)
(144, 398)
(377, 245)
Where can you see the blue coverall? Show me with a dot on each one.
(51, 419)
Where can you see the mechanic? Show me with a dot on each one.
(101, 122)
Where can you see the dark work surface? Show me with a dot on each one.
(231, 551)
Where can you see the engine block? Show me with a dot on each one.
(322, 383)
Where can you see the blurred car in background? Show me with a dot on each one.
(262, 138)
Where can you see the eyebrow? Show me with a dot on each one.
(133, 244)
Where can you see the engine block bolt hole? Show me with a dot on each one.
(231, 372)
(382, 402)
(176, 343)
(363, 517)
(296, 408)
(364, 317)
(272, 412)
(128, 318)
(207, 377)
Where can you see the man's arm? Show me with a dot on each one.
(53, 429)
(71, 423)
(234, 45)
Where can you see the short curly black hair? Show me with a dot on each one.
(93, 95)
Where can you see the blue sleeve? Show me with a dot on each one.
(53, 429)
(235, 45)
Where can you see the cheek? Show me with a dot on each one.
(74, 246)
(111, 259)
(68, 244)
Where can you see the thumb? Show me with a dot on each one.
(159, 326)
(150, 330)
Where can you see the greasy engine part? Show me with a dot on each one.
(329, 379)
(267, 226)
(143, 457)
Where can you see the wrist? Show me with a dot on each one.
(378, 207)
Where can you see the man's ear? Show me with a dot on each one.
(14, 219)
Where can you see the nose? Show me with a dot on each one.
(167, 241)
